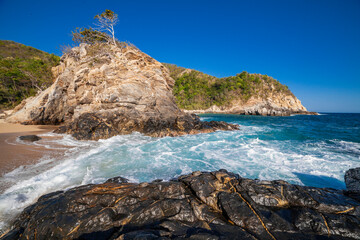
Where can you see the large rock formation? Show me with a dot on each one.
(104, 90)
(201, 205)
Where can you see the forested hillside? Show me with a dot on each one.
(23, 71)
(196, 90)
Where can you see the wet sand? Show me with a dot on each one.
(14, 154)
(19, 128)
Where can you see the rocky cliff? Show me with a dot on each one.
(245, 93)
(25, 70)
(201, 205)
(104, 90)
(275, 105)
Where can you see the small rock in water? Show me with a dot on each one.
(157, 180)
(117, 180)
(30, 138)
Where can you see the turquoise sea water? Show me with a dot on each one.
(306, 150)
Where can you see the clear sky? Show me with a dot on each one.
(313, 46)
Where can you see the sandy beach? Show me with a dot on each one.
(13, 153)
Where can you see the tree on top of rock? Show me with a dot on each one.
(106, 22)
(103, 32)
(89, 35)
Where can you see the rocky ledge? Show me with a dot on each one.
(264, 108)
(201, 205)
(103, 90)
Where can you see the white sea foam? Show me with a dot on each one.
(252, 152)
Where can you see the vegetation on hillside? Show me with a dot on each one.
(23, 71)
(196, 90)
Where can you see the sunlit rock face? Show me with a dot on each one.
(103, 90)
(278, 104)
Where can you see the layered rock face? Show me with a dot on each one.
(201, 205)
(277, 105)
(104, 90)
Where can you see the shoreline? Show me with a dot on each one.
(15, 154)
(17, 195)
(244, 113)
(9, 128)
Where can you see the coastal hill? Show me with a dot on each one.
(24, 71)
(245, 93)
(103, 90)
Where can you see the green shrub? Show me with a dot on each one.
(196, 90)
(23, 71)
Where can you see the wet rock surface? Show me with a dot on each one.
(107, 124)
(352, 179)
(201, 205)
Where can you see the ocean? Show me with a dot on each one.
(301, 149)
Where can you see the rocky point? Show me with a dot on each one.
(103, 90)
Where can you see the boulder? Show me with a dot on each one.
(30, 138)
(103, 90)
(201, 205)
(352, 179)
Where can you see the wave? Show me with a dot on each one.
(260, 150)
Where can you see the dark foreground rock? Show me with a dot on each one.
(352, 179)
(202, 205)
(30, 138)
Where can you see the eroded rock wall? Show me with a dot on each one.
(275, 105)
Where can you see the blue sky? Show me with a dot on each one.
(313, 46)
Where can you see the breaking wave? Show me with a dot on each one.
(305, 150)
